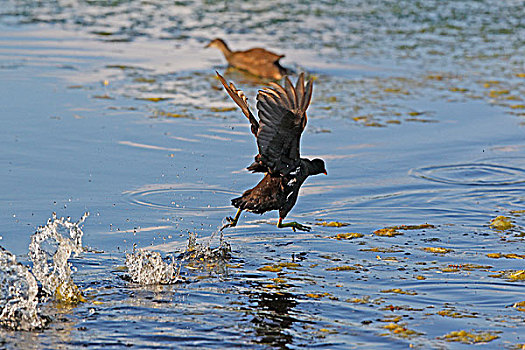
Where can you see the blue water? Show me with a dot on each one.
(417, 111)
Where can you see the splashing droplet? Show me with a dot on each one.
(50, 248)
(148, 267)
(18, 295)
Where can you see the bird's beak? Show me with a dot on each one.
(208, 45)
(325, 172)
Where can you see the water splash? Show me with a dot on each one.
(199, 255)
(50, 249)
(148, 267)
(18, 295)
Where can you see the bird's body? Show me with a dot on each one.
(282, 119)
(256, 61)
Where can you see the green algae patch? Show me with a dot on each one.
(399, 291)
(491, 83)
(520, 306)
(437, 250)
(121, 67)
(413, 227)
(400, 330)
(391, 319)
(506, 256)
(328, 331)
(437, 77)
(391, 231)
(153, 99)
(381, 250)
(347, 236)
(387, 232)
(510, 275)
(465, 267)
(235, 266)
(396, 91)
(332, 224)
(517, 276)
(103, 97)
(365, 300)
(145, 80)
(421, 120)
(317, 295)
(290, 265)
(501, 223)
(170, 114)
(473, 337)
(458, 89)
(222, 109)
(393, 308)
(271, 268)
(69, 293)
(342, 268)
(497, 93)
(279, 267)
(454, 314)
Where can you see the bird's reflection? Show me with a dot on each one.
(272, 318)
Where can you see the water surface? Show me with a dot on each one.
(113, 108)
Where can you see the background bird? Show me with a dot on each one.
(282, 119)
(256, 61)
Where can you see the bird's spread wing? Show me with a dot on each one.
(239, 98)
(282, 118)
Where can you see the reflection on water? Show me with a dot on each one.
(272, 318)
(113, 106)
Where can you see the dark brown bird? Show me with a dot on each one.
(256, 61)
(282, 119)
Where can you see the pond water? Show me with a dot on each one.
(113, 108)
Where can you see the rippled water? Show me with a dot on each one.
(112, 107)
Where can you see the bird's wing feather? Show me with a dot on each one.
(240, 99)
(282, 119)
(258, 55)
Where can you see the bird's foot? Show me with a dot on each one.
(294, 225)
(232, 222)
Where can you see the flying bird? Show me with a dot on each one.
(256, 61)
(282, 119)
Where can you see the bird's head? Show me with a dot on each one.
(218, 43)
(317, 166)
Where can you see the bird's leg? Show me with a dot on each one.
(294, 225)
(232, 222)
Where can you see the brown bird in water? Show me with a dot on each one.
(256, 61)
(282, 119)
